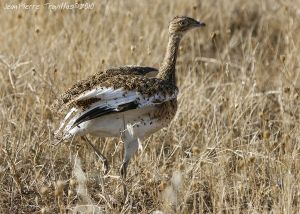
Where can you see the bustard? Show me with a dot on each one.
(123, 101)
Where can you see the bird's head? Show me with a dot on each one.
(181, 24)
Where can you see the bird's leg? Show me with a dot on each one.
(130, 147)
(123, 170)
(99, 154)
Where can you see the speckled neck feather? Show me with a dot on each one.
(168, 67)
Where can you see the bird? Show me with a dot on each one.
(123, 101)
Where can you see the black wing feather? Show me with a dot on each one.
(101, 111)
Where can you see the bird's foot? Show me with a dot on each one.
(106, 166)
(123, 170)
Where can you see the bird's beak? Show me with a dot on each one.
(199, 24)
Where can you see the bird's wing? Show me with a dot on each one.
(95, 79)
(102, 101)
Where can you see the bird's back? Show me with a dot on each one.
(146, 86)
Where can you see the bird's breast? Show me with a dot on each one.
(167, 110)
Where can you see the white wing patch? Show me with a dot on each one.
(115, 97)
(102, 93)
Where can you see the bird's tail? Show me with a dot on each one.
(62, 132)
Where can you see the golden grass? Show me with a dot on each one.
(233, 146)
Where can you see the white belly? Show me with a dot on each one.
(113, 124)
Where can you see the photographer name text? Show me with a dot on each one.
(50, 6)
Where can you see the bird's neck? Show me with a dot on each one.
(168, 67)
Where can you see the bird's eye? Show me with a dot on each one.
(182, 23)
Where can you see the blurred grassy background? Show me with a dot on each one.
(233, 146)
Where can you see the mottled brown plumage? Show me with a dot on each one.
(109, 77)
(143, 85)
(167, 111)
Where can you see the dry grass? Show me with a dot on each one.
(233, 147)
